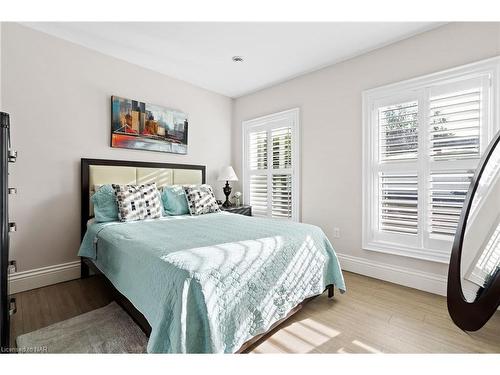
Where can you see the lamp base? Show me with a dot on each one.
(227, 192)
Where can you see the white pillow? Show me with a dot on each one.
(138, 202)
(201, 199)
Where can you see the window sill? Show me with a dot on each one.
(438, 256)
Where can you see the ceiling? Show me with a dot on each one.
(200, 53)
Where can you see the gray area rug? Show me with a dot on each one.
(106, 330)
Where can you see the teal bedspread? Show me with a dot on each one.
(207, 284)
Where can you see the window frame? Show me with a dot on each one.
(419, 89)
(267, 123)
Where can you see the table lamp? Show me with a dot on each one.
(227, 174)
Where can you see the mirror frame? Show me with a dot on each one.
(470, 316)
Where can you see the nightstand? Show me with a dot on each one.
(242, 210)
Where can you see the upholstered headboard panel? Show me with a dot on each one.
(97, 172)
(108, 174)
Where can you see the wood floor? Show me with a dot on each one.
(372, 317)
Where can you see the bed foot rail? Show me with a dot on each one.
(331, 290)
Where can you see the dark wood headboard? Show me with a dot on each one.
(85, 175)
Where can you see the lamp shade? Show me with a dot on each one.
(227, 174)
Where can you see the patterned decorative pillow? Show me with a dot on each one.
(138, 202)
(201, 199)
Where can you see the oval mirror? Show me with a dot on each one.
(473, 276)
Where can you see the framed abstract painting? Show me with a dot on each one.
(150, 127)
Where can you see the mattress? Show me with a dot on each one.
(209, 283)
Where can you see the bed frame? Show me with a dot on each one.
(87, 265)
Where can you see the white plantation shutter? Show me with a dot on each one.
(396, 215)
(282, 196)
(270, 167)
(455, 124)
(398, 203)
(281, 202)
(422, 143)
(282, 147)
(258, 150)
(258, 194)
(456, 113)
(447, 195)
(398, 131)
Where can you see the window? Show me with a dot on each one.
(422, 140)
(271, 165)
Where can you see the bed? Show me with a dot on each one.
(214, 283)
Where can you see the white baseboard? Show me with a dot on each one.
(36, 278)
(428, 282)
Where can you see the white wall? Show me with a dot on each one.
(58, 95)
(330, 103)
